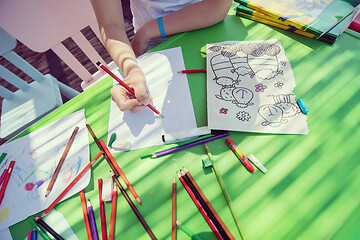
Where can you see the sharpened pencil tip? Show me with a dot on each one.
(161, 115)
(138, 200)
(178, 223)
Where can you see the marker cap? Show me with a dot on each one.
(257, 163)
(229, 141)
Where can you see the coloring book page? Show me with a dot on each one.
(250, 88)
(36, 156)
(171, 96)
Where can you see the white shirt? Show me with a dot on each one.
(145, 10)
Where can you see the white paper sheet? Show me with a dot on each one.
(171, 96)
(250, 88)
(36, 156)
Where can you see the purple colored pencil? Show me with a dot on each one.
(172, 150)
(92, 222)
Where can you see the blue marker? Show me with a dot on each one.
(302, 106)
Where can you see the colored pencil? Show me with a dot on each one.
(118, 170)
(226, 195)
(92, 221)
(102, 211)
(3, 155)
(41, 232)
(33, 235)
(204, 206)
(73, 182)
(3, 175)
(48, 228)
(193, 71)
(173, 217)
(209, 205)
(6, 180)
(176, 149)
(187, 231)
(101, 149)
(29, 234)
(146, 155)
(201, 209)
(133, 207)
(113, 214)
(86, 216)
(61, 161)
(126, 86)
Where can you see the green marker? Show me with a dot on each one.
(112, 139)
(188, 231)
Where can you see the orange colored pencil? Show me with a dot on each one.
(102, 211)
(86, 216)
(62, 159)
(76, 179)
(6, 180)
(173, 218)
(118, 169)
(113, 213)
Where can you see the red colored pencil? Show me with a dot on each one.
(102, 211)
(6, 180)
(118, 169)
(76, 179)
(113, 213)
(202, 211)
(86, 216)
(193, 71)
(3, 176)
(125, 86)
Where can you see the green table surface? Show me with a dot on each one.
(311, 189)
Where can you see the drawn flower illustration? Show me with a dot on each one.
(279, 84)
(223, 111)
(243, 116)
(260, 87)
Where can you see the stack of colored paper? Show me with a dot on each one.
(321, 20)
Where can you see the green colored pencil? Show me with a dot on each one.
(41, 232)
(225, 193)
(187, 231)
(3, 155)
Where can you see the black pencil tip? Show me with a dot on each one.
(98, 63)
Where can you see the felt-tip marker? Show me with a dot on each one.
(239, 154)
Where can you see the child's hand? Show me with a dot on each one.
(125, 100)
(140, 42)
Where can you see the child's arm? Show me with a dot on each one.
(195, 16)
(110, 18)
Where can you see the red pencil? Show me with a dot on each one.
(202, 211)
(193, 71)
(86, 216)
(125, 86)
(6, 180)
(119, 171)
(76, 179)
(102, 211)
(113, 212)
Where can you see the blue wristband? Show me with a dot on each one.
(161, 27)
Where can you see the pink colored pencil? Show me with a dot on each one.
(6, 180)
(3, 176)
(102, 211)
